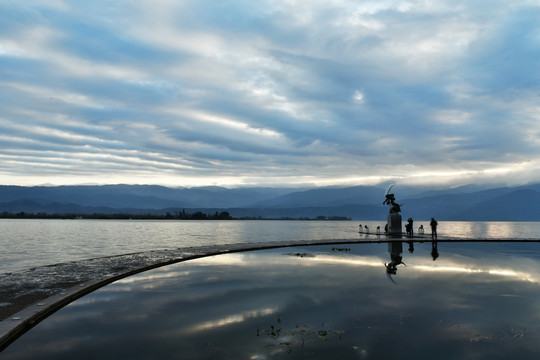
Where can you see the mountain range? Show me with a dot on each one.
(467, 203)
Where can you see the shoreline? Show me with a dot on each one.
(30, 296)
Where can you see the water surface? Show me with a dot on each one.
(450, 301)
(28, 243)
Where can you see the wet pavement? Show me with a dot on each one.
(27, 297)
(433, 299)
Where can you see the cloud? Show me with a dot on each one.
(237, 92)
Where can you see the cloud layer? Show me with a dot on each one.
(269, 92)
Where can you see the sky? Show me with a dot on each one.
(269, 93)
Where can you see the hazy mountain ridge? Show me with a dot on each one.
(140, 196)
(327, 196)
(519, 205)
(358, 202)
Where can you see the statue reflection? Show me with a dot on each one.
(395, 248)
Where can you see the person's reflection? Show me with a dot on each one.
(434, 250)
(411, 246)
(395, 248)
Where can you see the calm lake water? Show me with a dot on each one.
(30, 243)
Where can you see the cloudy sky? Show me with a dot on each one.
(277, 92)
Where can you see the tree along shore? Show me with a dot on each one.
(183, 215)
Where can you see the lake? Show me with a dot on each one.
(28, 243)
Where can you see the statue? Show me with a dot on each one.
(391, 200)
(394, 216)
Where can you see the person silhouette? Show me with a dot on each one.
(433, 225)
(434, 250)
(409, 227)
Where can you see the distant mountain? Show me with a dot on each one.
(519, 205)
(327, 196)
(107, 195)
(140, 196)
(472, 203)
(34, 207)
(448, 205)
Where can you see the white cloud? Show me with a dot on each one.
(358, 96)
(278, 92)
(452, 117)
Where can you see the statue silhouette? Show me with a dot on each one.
(390, 199)
(395, 248)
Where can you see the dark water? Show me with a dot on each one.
(474, 301)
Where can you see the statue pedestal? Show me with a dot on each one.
(395, 248)
(394, 224)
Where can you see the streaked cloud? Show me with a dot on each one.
(272, 92)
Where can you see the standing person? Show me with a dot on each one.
(410, 224)
(433, 225)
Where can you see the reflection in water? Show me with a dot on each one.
(512, 275)
(395, 248)
(476, 266)
(291, 335)
(335, 302)
(230, 319)
(434, 250)
(529, 273)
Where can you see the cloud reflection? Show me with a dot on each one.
(222, 301)
(231, 319)
(152, 277)
(516, 275)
